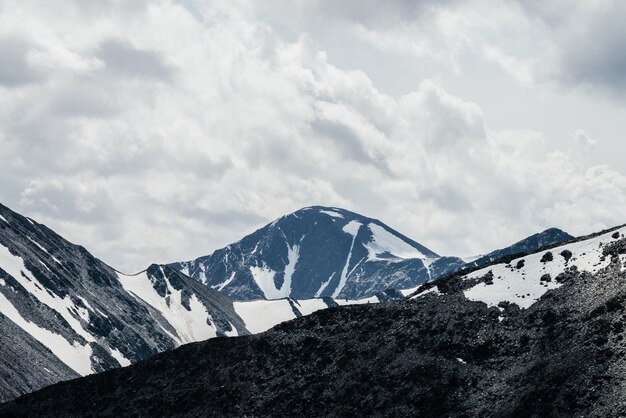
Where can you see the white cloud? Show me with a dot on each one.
(162, 132)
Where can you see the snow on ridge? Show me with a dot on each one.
(433, 290)
(15, 267)
(332, 214)
(74, 355)
(352, 228)
(521, 282)
(261, 315)
(384, 241)
(38, 245)
(471, 258)
(191, 325)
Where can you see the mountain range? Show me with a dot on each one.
(330, 252)
(67, 314)
(534, 334)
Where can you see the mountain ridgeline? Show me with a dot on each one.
(539, 334)
(319, 252)
(66, 314)
(534, 242)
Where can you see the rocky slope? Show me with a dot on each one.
(319, 252)
(65, 313)
(535, 335)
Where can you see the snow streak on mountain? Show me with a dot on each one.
(319, 252)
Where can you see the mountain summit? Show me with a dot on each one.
(319, 252)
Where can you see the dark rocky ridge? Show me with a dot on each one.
(435, 355)
(551, 236)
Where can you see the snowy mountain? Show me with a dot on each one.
(540, 334)
(525, 279)
(66, 314)
(534, 242)
(318, 252)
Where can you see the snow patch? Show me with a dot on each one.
(117, 355)
(190, 325)
(264, 276)
(15, 267)
(345, 302)
(38, 245)
(523, 286)
(384, 242)
(332, 213)
(471, 259)
(293, 254)
(351, 228)
(261, 315)
(308, 306)
(324, 286)
(226, 282)
(75, 355)
(2, 218)
(432, 291)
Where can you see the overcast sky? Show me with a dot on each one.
(157, 131)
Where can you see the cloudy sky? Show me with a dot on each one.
(162, 130)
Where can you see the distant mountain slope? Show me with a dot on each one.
(541, 335)
(72, 315)
(534, 242)
(318, 252)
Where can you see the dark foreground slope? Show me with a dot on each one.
(438, 354)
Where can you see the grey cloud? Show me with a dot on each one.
(590, 40)
(348, 142)
(448, 196)
(85, 98)
(599, 57)
(64, 200)
(15, 69)
(98, 7)
(369, 13)
(122, 57)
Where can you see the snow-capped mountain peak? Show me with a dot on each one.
(317, 252)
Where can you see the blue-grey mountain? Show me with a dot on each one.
(319, 252)
(534, 242)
